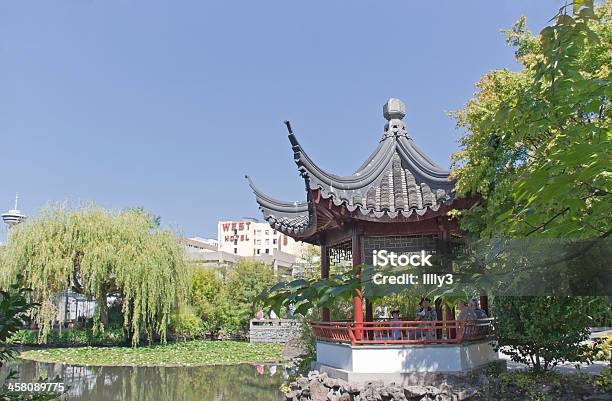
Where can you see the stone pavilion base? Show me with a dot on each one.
(404, 364)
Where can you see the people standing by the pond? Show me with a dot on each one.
(465, 313)
(467, 317)
(480, 314)
(396, 334)
(260, 314)
(426, 314)
(381, 313)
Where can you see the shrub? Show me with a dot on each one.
(245, 282)
(14, 307)
(543, 331)
(604, 380)
(186, 324)
(209, 299)
(71, 337)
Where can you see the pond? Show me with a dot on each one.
(206, 383)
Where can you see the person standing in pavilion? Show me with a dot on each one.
(426, 314)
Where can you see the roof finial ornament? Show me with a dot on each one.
(394, 111)
(16, 200)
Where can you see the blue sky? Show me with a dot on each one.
(167, 104)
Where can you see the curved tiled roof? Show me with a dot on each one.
(287, 217)
(398, 179)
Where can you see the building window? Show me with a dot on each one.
(258, 251)
(258, 242)
(267, 232)
(267, 250)
(236, 250)
(274, 241)
(267, 241)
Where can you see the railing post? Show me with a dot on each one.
(351, 334)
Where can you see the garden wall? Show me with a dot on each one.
(278, 331)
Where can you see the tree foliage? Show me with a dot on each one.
(312, 293)
(14, 308)
(537, 154)
(543, 331)
(209, 298)
(244, 283)
(99, 253)
(537, 143)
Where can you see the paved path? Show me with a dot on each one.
(592, 369)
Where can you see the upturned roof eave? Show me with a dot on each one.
(291, 218)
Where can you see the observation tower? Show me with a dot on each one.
(14, 216)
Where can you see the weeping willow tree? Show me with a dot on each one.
(99, 253)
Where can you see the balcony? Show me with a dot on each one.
(391, 332)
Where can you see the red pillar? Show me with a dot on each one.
(369, 313)
(324, 274)
(357, 299)
(369, 317)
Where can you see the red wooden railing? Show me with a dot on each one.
(403, 332)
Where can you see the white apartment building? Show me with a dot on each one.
(248, 237)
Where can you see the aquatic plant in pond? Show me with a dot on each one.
(192, 353)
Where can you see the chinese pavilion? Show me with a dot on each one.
(397, 200)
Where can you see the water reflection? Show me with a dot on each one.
(207, 383)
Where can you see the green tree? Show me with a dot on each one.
(543, 331)
(245, 282)
(99, 253)
(209, 298)
(536, 153)
(186, 324)
(14, 308)
(537, 144)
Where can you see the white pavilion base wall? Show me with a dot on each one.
(394, 359)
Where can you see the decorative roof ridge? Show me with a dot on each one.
(370, 171)
(361, 178)
(395, 140)
(271, 203)
(413, 155)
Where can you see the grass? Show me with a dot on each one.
(536, 386)
(191, 353)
